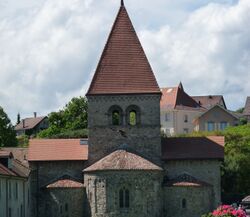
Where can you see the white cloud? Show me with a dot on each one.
(209, 52)
(49, 49)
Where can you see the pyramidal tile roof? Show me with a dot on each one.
(123, 67)
(122, 160)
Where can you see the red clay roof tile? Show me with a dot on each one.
(57, 150)
(177, 98)
(5, 171)
(210, 101)
(65, 183)
(123, 67)
(186, 180)
(122, 160)
(191, 148)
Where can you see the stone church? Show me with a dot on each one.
(125, 168)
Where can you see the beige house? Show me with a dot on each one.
(178, 110)
(14, 187)
(216, 118)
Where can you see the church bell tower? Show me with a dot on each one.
(124, 97)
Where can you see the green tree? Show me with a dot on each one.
(70, 122)
(236, 167)
(7, 132)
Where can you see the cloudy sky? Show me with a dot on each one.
(49, 49)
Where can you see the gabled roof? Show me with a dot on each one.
(222, 108)
(122, 160)
(247, 107)
(65, 183)
(57, 150)
(210, 101)
(5, 171)
(123, 67)
(177, 98)
(193, 148)
(185, 180)
(29, 123)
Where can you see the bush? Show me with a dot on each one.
(23, 141)
(226, 211)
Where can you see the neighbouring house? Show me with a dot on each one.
(125, 168)
(210, 101)
(14, 186)
(178, 110)
(246, 112)
(215, 119)
(32, 126)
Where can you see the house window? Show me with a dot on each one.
(185, 118)
(185, 130)
(183, 203)
(21, 211)
(223, 125)
(10, 190)
(210, 126)
(10, 214)
(124, 198)
(167, 117)
(16, 190)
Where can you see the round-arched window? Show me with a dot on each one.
(115, 115)
(133, 115)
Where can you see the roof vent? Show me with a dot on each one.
(84, 142)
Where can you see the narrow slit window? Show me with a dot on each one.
(184, 203)
(124, 198)
(121, 198)
(127, 198)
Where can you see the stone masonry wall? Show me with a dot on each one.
(187, 201)
(43, 173)
(145, 193)
(67, 202)
(105, 138)
(204, 170)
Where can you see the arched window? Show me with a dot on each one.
(116, 118)
(184, 203)
(133, 115)
(115, 115)
(124, 198)
(132, 118)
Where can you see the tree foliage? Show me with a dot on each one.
(236, 167)
(70, 122)
(7, 132)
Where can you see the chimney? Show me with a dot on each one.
(34, 114)
(23, 121)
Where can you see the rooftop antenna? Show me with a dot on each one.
(122, 3)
